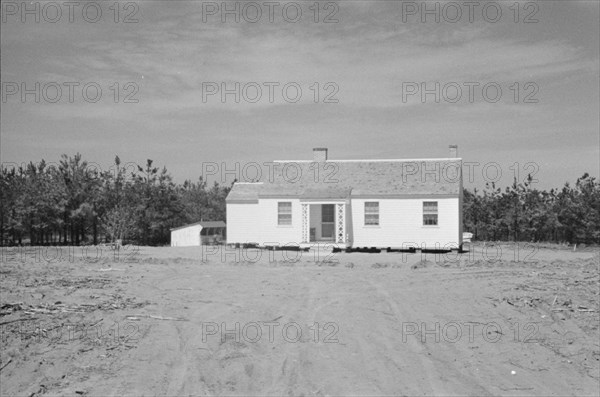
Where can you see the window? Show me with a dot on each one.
(430, 213)
(371, 213)
(284, 213)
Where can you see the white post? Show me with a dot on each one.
(305, 223)
(340, 223)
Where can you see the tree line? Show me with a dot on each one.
(73, 202)
(522, 213)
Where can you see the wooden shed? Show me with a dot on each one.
(199, 233)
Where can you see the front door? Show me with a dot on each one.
(327, 221)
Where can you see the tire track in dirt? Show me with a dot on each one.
(184, 377)
(196, 362)
(437, 376)
(231, 365)
(371, 358)
(293, 375)
(164, 361)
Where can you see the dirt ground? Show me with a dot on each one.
(183, 321)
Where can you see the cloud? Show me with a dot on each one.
(368, 54)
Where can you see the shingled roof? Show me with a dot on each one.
(244, 191)
(354, 178)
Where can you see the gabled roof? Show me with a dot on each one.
(204, 224)
(244, 191)
(355, 178)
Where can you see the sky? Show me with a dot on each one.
(357, 77)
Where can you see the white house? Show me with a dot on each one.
(199, 233)
(351, 203)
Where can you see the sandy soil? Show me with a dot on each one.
(161, 321)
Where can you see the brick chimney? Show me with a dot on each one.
(320, 154)
(453, 151)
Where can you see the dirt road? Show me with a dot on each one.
(356, 324)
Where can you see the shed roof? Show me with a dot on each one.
(204, 224)
(355, 178)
